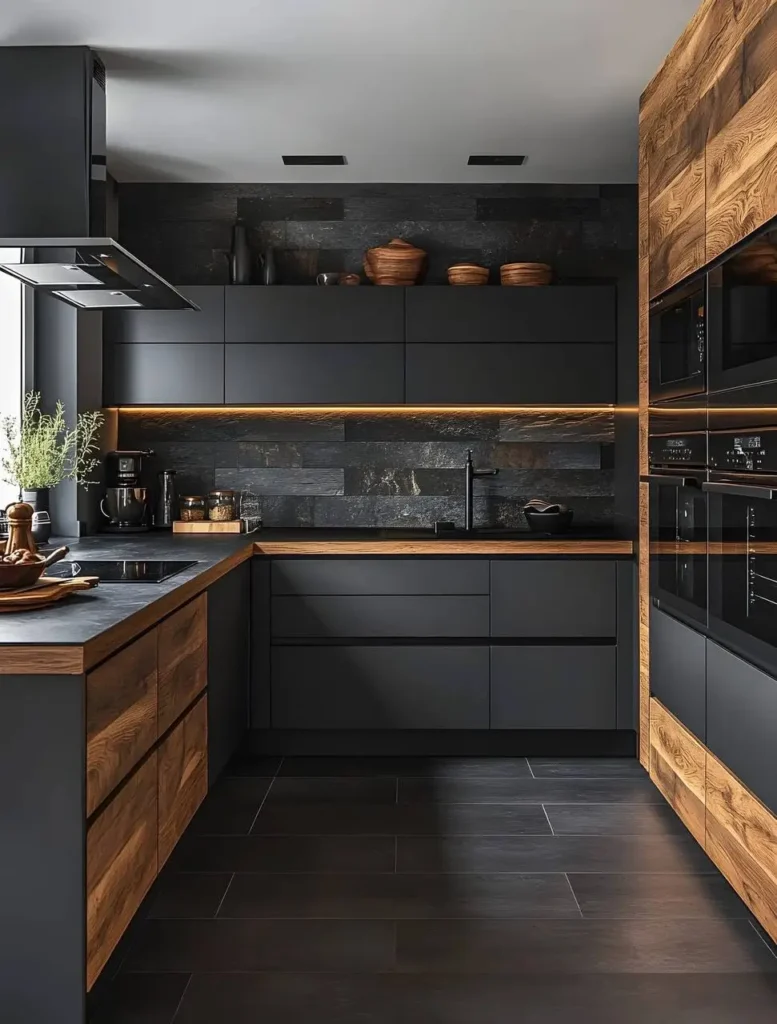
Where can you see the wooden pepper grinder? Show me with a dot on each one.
(20, 528)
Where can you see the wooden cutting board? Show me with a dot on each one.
(46, 591)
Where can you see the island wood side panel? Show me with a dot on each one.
(183, 776)
(183, 659)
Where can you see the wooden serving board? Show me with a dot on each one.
(46, 591)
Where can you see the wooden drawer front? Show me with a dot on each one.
(553, 688)
(121, 864)
(553, 598)
(121, 717)
(399, 576)
(379, 616)
(678, 767)
(678, 662)
(183, 659)
(380, 687)
(183, 776)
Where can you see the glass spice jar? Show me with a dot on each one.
(221, 506)
(192, 509)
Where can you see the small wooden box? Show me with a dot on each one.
(208, 526)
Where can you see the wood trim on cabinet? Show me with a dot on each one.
(678, 768)
(183, 659)
(183, 776)
(47, 660)
(446, 547)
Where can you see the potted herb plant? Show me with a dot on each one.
(40, 451)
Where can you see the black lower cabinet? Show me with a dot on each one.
(560, 687)
(678, 659)
(229, 653)
(315, 374)
(381, 687)
(380, 616)
(742, 721)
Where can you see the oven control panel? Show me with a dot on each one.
(744, 452)
(678, 450)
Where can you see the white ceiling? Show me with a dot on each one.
(217, 90)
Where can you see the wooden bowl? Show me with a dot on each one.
(398, 263)
(14, 576)
(525, 274)
(467, 274)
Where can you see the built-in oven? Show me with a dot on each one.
(678, 341)
(742, 320)
(742, 492)
(678, 525)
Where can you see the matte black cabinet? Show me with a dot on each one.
(171, 326)
(380, 616)
(229, 647)
(678, 664)
(565, 687)
(311, 315)
(316, 374)
(742, 721)
(387, 687)
(375, 576)
(166, 374)
(502, 374)
(553, 598)
(553, 315)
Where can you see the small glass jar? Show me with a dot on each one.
(221, 506)
(193, 509)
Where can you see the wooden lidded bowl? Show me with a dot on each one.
(398, 263)
(467, 274)
(525, 274)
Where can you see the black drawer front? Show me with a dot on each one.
(553, 599)
(509, 315)
(380, 688)
(742, 721)
(173, 326)
(383, 616)
(483, 374)
(397, 576)
(311, 315)
(325, 374)
(678, 660)
(164, 374)
(553, 687)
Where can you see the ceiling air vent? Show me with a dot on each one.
(496, 161)
(314, 161)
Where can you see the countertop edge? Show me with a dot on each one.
(445, 547)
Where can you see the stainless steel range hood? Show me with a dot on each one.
(54, 195)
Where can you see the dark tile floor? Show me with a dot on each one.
(373, 891)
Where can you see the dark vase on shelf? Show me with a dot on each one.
(239, 255)
(269, 269)
(41, 520)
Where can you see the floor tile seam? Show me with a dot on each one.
(547, 818)
(757, 931)
(224, 894)
(264, 801)
(183, 996)
(574, 894)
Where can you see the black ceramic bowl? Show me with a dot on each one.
(549, 522)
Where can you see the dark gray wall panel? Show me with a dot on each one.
(325, 374)
(165, 374)
(399, 576)
(314, 315)
(380, 617)
(553, 688)
(678, 663)
(380, 687)
(484, 374)
(526, 315)
(173, 326)
(742, 721)
(553, 597)
(229, 640)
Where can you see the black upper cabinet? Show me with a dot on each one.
(164, 374)
(560, 314)
(312, 315)
(483, 374)
(333, 374)
(184, 326)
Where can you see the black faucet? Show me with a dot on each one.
(469, 475)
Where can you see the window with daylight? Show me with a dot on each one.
(11, 352)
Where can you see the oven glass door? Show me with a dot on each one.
(743, 317)
(743, 568)
(677, 344)
(678, 545)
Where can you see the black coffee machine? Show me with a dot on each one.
(126, 504)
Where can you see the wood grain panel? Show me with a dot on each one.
(183, 776)
(446, 547)
(741, 168)
(742, 841)
(678, 768)
(643, 538)
(677, 227)
(121, 864)
(51, 661)
(121, 716)
(183, 660)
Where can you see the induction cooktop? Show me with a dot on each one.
(120, 572)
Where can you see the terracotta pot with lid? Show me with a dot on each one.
(398, 263)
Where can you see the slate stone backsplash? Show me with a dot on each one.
(386, 469)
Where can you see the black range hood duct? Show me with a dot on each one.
(54, 196)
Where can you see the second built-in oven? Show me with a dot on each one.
(742, 492)
(678, 525)
(678, 341)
